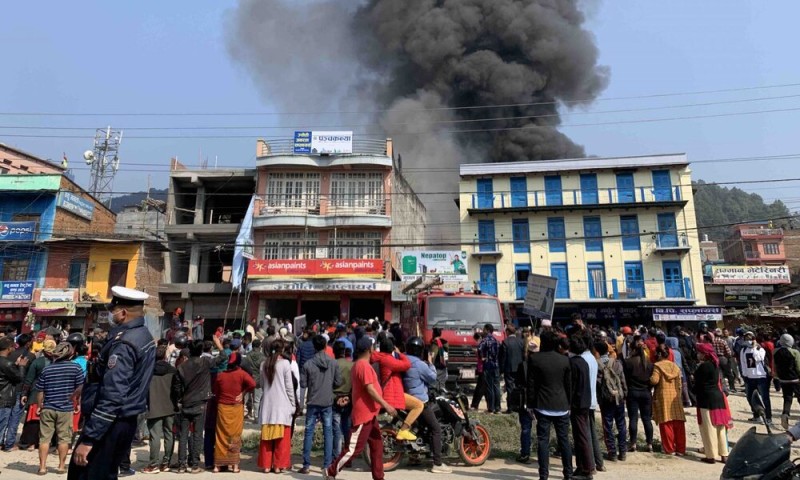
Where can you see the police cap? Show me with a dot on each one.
(127, 297)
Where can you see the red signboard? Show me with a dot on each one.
(320, 268)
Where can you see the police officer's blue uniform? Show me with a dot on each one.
(114, 398)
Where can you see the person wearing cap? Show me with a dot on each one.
(57, 385)
(117, 389)
(29, 439)
(622, 342)
(787, 372)
(367, 399)
(754, 371)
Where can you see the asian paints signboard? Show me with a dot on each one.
(317, 143)
(750, 275)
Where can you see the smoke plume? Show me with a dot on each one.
(419, 63)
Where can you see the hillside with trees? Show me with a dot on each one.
(717, 206)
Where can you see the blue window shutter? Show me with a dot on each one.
(521, 234)
(556, 234)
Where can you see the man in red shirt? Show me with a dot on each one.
(367, 403)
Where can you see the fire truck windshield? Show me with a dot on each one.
(463, 312)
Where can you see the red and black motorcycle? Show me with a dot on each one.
(468, 437)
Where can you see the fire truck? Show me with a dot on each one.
(459, 314)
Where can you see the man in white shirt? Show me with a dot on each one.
(752, 359)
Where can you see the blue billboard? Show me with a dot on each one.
(17, 231)
(75, 204)
(302, 142)
(16, 291)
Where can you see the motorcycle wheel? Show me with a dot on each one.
(475, 451)
(392, 455)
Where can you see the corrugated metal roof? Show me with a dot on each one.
(573, 164)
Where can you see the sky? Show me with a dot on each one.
(142, 57)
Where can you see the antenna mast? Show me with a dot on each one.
(104, 161)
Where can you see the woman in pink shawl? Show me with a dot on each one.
(713, 413)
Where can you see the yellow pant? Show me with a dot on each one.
(414, 407)
(715, 439)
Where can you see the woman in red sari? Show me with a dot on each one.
(229, 389)
(713, 413)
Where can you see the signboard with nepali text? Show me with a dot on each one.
(687, 314)
(747, 275)
(315, 143)
(75, 204)
(316, 268)
(11, 291)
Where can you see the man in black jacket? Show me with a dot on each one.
(191, 390)
(579, 408)
(549, 393)
(511, 355)
(161, 413)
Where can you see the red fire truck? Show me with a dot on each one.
(458, 314)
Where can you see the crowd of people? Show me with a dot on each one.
(70, 392)
(564, 377)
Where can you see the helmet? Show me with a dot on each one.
(702, 326)
(77, 340)
(181, 341)
(415, 346)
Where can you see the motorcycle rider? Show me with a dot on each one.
(416, 381)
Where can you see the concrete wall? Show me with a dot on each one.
(576, 256)
(409, 217)
(100, 257)
(145, 224)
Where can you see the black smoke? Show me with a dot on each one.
(418, 64)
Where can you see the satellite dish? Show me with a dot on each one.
(88, 155)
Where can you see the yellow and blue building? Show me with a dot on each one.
(619, 234)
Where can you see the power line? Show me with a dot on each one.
(442, 132)
(386, 125)
(344, 112)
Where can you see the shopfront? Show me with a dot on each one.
(345, 289)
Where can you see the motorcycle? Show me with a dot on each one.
(759, 456)
(468, 437)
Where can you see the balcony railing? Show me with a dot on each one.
(610, 289)
(762, 232)
(671, 241)
(580, 197)
(314, 204)
(361, 146)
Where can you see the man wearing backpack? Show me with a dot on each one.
(611, 393)
(439, 353)
(787, 371)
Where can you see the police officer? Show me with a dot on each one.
(116, 391)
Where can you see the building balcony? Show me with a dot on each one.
(608, 198)
(606, 291)
(486, 248)
(751, 233)
(282, 153)
(321, 211)
(671, 242)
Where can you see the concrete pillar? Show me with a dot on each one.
(194, 264)
(199, 205)
(205, 267)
